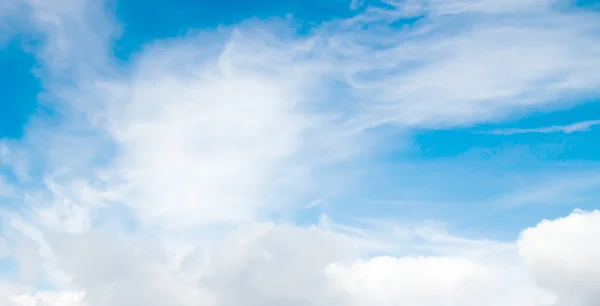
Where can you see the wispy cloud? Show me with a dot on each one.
(426, 75)
(582, 126)
(199, 139)
(564, 190)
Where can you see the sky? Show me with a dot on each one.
(339, 153)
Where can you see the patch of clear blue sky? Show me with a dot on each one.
(588, 4)
(556, 146)
(19, 88)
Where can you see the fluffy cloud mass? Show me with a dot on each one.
(267, 264)
(171, 179)
(563, 257)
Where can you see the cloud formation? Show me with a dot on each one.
(165, 180)
(567, 129)
(562, 260)
(266, 264)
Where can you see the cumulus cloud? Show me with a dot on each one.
(433, 281)
(267, 264)
(563, 256)
(151, 186)
(14, 295)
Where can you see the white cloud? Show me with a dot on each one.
(563, 256)
(19, 295)
(267, 264)
(213, 131)
(15, 295)
(246, 118)
(76, 34)
(582, 126)
(434, 281)
(457, 68)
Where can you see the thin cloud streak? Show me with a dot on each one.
(583, 126)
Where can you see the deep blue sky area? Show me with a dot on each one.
(19, 88)
(146, 20)
(436, 144)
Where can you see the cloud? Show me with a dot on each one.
(582, 126)
(220, 131)
(431, 281)
(269, 265)
(14, 295)
(355, 4)
(162, 181)
(438, 72)
(562, 258)
(71, 30)
(247, 117)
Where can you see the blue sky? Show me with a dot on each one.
(20, 88)
(230, 129)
